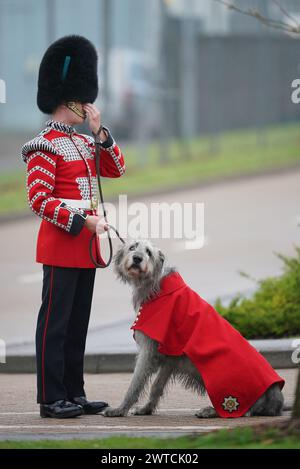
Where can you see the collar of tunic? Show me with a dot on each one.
(60, 126)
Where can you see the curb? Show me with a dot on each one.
(95, 363)
(124, 362)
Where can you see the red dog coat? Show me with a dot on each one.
(234, 373)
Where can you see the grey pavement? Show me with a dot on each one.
(246, 221)
(19, 418)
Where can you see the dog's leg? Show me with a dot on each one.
(269, 404)
(141, 375)
(207, 413)
(157, 390)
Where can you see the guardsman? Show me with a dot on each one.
(62, 191)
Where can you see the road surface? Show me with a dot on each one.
(246, 221)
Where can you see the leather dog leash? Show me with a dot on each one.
(97, 156)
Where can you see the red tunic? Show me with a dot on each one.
(61, 165)
(234, 373)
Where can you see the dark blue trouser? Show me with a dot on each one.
(61, 332)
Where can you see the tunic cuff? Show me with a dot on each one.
(109, 141)
(77, 223)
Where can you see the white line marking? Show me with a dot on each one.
(108, 427)
(36, 277)
(160, 410)
(19, 413)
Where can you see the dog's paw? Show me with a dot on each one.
(206, 413)
(142, 411)
(110, 412)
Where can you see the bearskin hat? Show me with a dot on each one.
(68, 72)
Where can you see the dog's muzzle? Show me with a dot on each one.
(136, 263)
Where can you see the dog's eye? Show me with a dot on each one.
(148, 252)
(132, 248)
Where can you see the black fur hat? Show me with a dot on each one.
(68, 72)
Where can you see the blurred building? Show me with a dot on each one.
(215, 18)
(161, 63)
(27, 27)
(246, 25)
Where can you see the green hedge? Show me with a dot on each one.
(274, 309)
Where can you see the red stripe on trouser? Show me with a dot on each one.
(44, 335)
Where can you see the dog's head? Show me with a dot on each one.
(138, 260)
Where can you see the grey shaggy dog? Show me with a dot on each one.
(142, 265)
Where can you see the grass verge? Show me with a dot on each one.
(273, 311)
(246, 438)
(199, 160)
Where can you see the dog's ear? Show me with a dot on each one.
(161, 256)
(118, 256)
(117, 265)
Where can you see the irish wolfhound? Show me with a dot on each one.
(143, 266)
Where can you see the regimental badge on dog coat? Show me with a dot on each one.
(234, 373)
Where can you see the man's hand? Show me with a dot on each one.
(96, 224)
(102, 226)
(94, 118)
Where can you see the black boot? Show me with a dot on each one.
(89, 407)
(61, 410)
